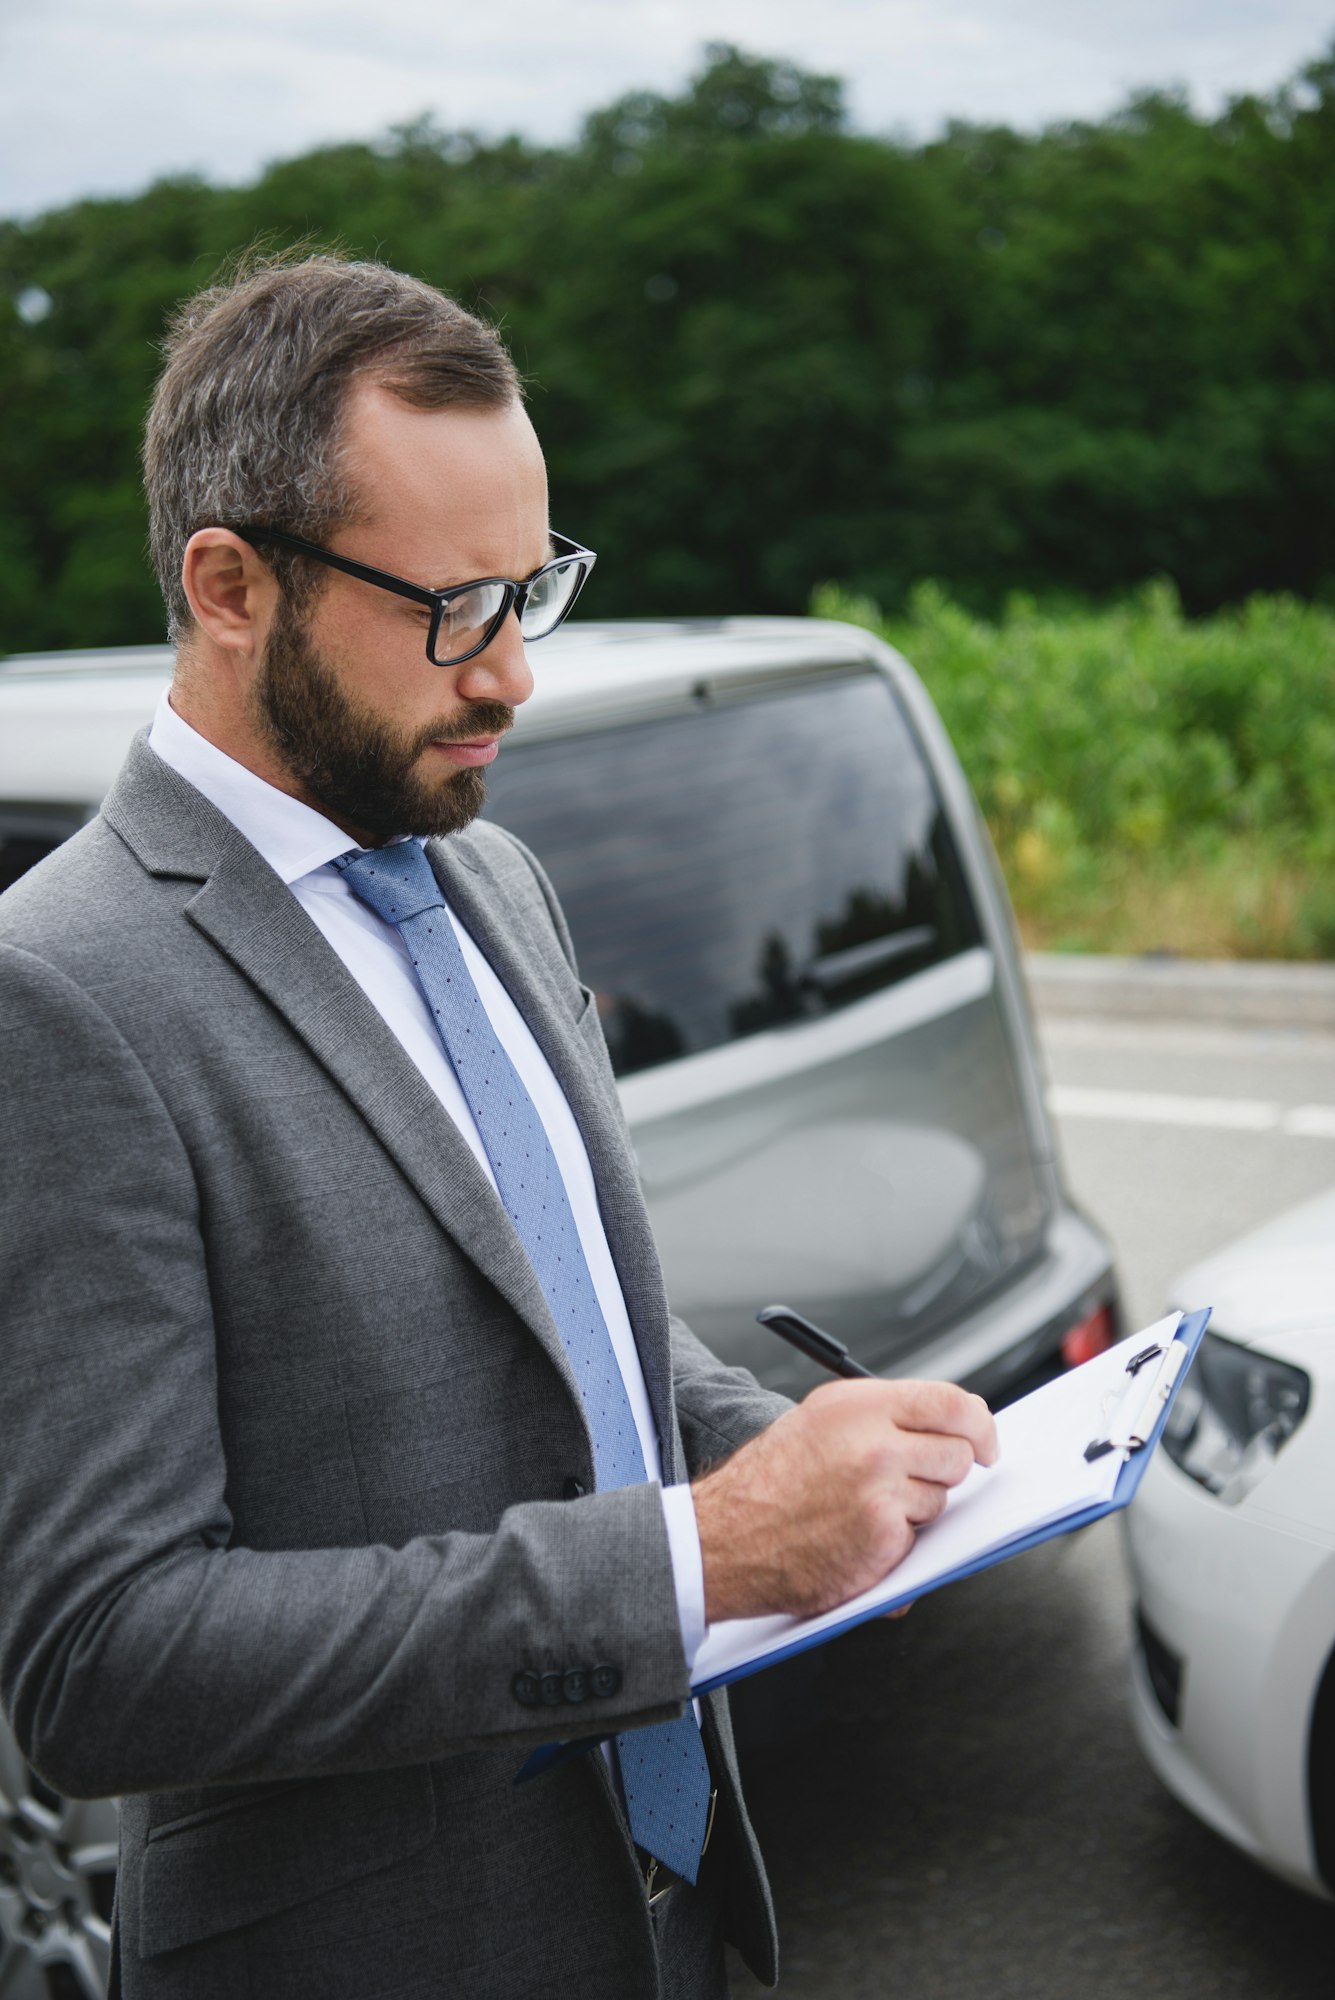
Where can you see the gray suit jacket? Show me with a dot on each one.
(286, 1428)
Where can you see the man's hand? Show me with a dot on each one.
(827, 1500)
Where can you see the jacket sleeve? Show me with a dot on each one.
(141, 1648)
(718, 1407)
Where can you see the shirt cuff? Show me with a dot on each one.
(688, 1570)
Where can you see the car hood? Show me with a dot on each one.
(1275, 1281)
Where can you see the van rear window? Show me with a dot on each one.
(747, 864)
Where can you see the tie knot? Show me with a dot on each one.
(397, 882)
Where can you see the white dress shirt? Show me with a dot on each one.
(300, 845)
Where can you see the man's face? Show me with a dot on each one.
(369, 777)
(372, 733)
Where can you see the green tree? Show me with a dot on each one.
(763, 350)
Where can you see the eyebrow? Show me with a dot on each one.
(464, 581)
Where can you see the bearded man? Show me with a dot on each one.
(351, 1452)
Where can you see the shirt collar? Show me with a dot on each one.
(293, 838)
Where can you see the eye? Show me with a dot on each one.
(473, 609)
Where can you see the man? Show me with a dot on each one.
(347, 1437)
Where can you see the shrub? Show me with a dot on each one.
(1122, 753)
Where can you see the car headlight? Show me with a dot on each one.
(1233, 1414)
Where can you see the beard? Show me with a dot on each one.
(352, 765)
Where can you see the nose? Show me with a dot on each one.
(500, 672)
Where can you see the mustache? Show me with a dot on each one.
(484, 718)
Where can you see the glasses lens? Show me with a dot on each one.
(465, 621)
(549, 599)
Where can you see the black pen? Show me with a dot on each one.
(813, 1341)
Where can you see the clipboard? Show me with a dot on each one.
(1101, 1420)
(1131, 1389)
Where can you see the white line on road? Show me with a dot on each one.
(1310, 1121)
(1162, 1107)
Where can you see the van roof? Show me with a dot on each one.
(66, 718)
(629, 652)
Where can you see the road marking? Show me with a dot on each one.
(1311, 1121)
(1163, 1107)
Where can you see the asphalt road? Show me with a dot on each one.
(969, 1814)
(1188, 1137)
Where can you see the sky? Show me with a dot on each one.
(104, 96)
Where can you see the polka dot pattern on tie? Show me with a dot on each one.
(664, 1771)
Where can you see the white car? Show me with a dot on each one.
(1232, 1547)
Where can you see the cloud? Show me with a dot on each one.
(103, 100)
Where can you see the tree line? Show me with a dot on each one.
(765, 351)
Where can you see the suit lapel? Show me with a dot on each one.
(252, 917)
(245, 909)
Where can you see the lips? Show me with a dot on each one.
(482, 750)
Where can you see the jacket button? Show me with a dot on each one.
(553, 1691)
(575, 1683)
(526, 1689)
(605, 1681)
(573, 1489)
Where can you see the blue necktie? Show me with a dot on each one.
(664, 1772)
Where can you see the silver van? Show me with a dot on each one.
(783, 898)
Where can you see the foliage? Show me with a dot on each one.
(763, 349)
(1150, 782)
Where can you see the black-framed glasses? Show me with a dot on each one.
(466, 617)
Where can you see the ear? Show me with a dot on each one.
(232, 592)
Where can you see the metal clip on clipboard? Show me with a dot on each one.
(1132, 1425)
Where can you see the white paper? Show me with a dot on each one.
(1041, 1476)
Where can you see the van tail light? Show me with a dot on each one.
(1092, 1336)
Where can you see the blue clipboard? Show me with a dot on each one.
(1172, 1364)
(1170, 1361)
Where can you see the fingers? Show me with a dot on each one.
(945, 1461)
(832, 1496)
(945, 1408)
(924, 1500)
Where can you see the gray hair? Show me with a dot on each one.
(245, 423)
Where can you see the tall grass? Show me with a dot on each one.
(1152, 783)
